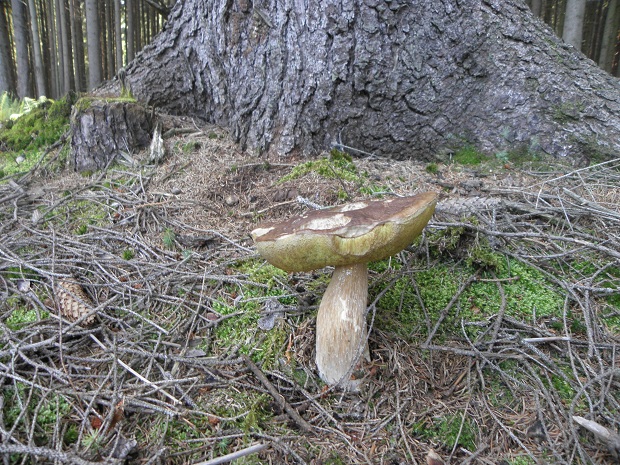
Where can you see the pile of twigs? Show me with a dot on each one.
(137, 366)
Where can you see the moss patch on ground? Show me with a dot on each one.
(22, 140)
(418, 298)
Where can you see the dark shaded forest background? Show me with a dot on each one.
(74, 45)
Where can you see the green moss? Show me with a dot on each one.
(432, 168)
(48, 410)
(71, 435)
(79, 214)
(85, 103)
(250, 408)
(260, 271)
(22, 316)
(450, 430)
(190, 147)
(242, 332)
(42, 126)
(526, 290)
(338, 165)
(523, 460)
(469, 155)
(568, 111)
(128, 254)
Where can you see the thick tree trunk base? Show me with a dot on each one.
(101, 129)
(400, 79)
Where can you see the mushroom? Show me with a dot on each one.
(346, 237)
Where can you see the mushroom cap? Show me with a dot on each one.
(358, 232)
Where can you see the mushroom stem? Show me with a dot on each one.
(341, 324)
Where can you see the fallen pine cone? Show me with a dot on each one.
(73, 303)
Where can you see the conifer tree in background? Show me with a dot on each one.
(7, 78)
(93, 38)
(20, 36)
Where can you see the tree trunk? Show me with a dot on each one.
(7, 79)
(396, 79)
(94, 44)
(536, 7)
(610, 33)
(118, 39)
(80, 64)
(39, 73)
(65, 49)
(77, 72)
(129, 27)
(54, 72)
(104, 42)
(20, 31)
(573, 22)
(103, 128)
(137, 13)
(60, 55)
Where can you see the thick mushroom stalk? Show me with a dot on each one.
(341, 324)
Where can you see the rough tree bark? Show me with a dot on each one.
(396, 78)
(100, 129)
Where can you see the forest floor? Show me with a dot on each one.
(488, 335)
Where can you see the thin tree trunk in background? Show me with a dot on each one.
(138, 24)
(109, 19)
(77, 72)
(610, 34)
(153, 21)
(572, 32)
(20, 34)
(104, 40)
(146, 21)
(79, 55)
(7, 81)
(130, 27)
(536, 7)
(61, 58)
(39, 73)
(594, 21)
(65, 43)
(93, 38)
(45, 47)
(54, 70)
(117, 34)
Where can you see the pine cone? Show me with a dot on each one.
(73, 303)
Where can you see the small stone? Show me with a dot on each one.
(20, 159)
(175, 191)
(231, 200)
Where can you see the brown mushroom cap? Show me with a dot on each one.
(357, 232)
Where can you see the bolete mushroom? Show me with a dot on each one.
(346, 237)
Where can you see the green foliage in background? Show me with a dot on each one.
(42, 126)
(41, 123)
(8, 107)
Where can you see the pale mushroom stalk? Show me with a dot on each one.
(341, 323)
